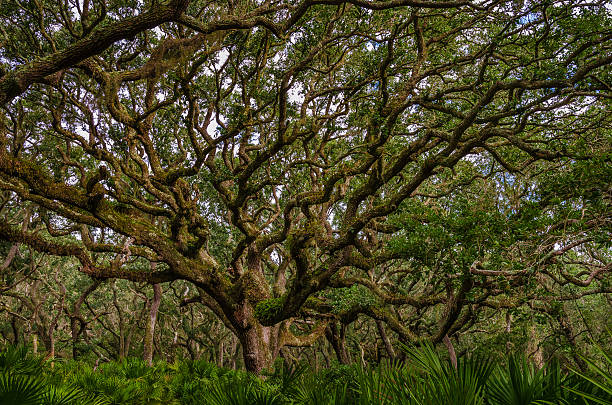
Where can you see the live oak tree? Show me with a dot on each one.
(275, 154)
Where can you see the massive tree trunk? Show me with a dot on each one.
(258, 350)
(260, 339)
(259, 343)
(150, 330)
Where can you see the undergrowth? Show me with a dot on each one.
(424, 378)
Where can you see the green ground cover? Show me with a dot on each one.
(425, 378)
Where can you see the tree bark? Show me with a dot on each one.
(17, 81)
(385, 339)
(337, 340)
(451, 350)
(220, 355)
(568, 331)
(259, 343)
(15, 330)
(74, 333)
(508, 330)
(258, 348)
(77, 322)
(235, 349)
(150, 330)
(534, 350)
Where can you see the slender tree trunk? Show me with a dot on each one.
(122, 353)
(235, 349)
(508, 330)
(220, 355)
(325, 355)
(127, 344)
(15, 330)
(337, 340)
(451, 350)
(568, 331)
(533, 348)
(362, 355)
(150, 330)
(77, 322)
(45, 337)
(385, 339)
(45, 333)
(51, 354)
(121, 326)
(74, 333)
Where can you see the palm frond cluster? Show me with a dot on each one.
(424, 378)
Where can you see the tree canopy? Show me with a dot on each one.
(419, 162)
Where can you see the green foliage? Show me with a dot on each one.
(67, 395)
(344, 298)
(425, 378)
(599, 381)
(127, 381)
(26, 379)
(268, 309)
(238, 388)
(20, 389)
(17, 360)
(332, 386)
(521, 383)
(436, 381)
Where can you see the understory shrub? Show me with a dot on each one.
(424, 378)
